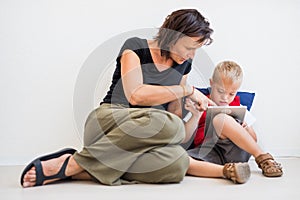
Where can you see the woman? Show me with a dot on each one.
(135, 133)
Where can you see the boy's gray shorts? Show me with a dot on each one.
(219, 152)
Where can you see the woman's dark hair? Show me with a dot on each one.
(184, 22)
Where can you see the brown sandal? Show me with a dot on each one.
(269, 166)
(237, 172)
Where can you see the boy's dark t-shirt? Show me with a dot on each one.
(151, 76)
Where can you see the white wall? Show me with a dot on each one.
(45, 46)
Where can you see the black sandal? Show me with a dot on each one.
(40, 177)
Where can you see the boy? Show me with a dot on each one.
(230, 143)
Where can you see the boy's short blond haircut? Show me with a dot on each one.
(228, 70)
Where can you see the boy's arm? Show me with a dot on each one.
(190, 127)
(250, 130)
(247, 124)
(191, 124)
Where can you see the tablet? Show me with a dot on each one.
(237, 112)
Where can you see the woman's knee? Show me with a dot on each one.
(172, 127)
(178, 169)
(92, 130)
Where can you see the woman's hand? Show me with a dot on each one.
(202, 100)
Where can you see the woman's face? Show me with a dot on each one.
(184, 49)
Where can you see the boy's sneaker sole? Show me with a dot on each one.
(237, 172)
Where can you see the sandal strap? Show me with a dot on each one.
(228, 171)
(270, 164)
(61, 174)
(40, 176)
(262, 158)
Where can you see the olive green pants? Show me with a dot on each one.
(123, 145)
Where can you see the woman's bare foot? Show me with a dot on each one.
(49, 168)
(82, 176)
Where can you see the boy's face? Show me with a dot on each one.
(223, 91)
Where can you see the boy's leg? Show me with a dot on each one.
(237, 172)
(227, 127)
(231, 152)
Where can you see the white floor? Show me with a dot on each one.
(258, 187)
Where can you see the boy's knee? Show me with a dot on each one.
(220, 119)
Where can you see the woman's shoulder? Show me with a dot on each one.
(136, 42)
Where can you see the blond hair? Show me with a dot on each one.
(228, 70)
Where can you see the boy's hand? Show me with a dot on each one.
(193, 107)
(244, 125)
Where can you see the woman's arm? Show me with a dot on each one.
(175, 107)
(138, 93)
